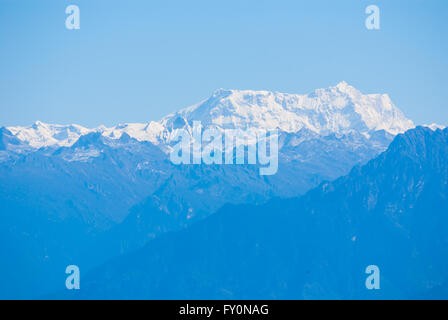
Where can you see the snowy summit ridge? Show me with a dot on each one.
(339, 109)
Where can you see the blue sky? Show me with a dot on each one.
(136, 61)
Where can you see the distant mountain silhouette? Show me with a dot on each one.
(103, 197)
(391, 212)
(74, 195)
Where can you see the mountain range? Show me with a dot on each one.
(336, 110)
(391, 212)
(73, 195)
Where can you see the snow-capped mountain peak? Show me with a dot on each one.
(339, 109)
(435, 126)
(41, 134)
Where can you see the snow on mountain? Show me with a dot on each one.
(340, 109)
(44, 135)
(392, 211)
(139, 131)
(434, 126)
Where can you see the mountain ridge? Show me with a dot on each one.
(313, 247)
(337, 109)
(114, 184)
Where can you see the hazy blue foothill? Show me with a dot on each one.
(391, 212)
(97, 197)
(59, 208)
(357, 184)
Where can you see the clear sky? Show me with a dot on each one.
(138, 60)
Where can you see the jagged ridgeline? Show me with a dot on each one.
(391, 213)
(73, 195)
